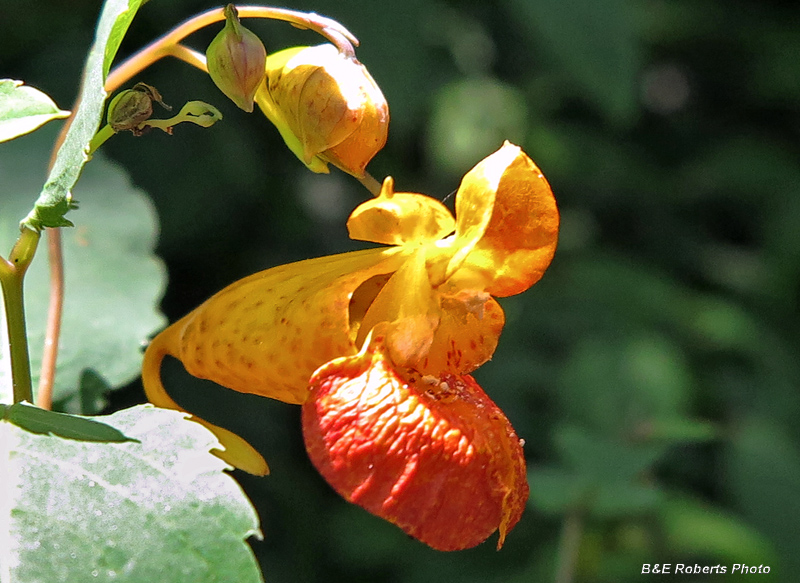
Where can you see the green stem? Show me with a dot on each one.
(569, 547)
(12, 274)
(99, 138)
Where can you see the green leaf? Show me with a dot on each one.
(604, 459)
(762, 478)
(593, 43)
(113, 282)
(618, 385)
(555, 491)
(158, 510)
(682, 430)
(56, 196)
(692, 528)
(118, 30)
(601, 476)
(44, 422)
(23, 109)
(92, 393)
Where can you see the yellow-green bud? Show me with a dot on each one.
(327, 106)
(236, 59)
(132, 107)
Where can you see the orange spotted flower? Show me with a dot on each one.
(377, 345)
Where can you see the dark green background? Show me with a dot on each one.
(653, 372)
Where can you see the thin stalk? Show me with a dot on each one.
(100, 138)
(163, 47)
(44, 393)
(187, 55)
(569, 547)
(12, 275)
(369, 182)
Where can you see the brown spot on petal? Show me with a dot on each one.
(284, 340)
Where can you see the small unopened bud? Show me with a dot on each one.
(327, 106)
(236, 60)
(132, 107)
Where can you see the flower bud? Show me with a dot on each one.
(236, 59)
(327, 107)
(132, 107)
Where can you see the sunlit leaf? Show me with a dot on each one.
(118, 29)
(23, 109)
(160, 509)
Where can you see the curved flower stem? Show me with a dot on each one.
(569, 546)
(12, 273)
(190, 56)
(55, 308)
(162, 47)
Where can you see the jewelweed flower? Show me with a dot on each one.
(377, 345)
(433, 455)
(326, 106)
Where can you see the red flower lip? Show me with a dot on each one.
(435, 456)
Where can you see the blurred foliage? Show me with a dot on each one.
(653, 372)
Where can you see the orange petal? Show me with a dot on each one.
(467, 335)
(267, 333)
(506, 223)
(435, 456)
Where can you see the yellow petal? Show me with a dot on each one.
(267, 333)
(237, 452)
(506, 223)
(397, 218)
(276, 116)
(408, 301)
